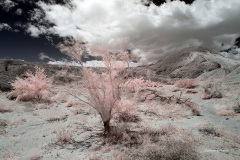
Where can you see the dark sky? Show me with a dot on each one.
(17, 43)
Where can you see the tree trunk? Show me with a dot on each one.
(106, 126)
(6, 67)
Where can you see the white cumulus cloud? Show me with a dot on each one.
(4, 26)
(152, 30)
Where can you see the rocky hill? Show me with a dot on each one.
(190, 62)
(10, 69)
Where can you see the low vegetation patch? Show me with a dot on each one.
(64, 136)
(209, 131)
(185, 83)
(33, 154)
(168, 143)
(4, 108)
(210, 90)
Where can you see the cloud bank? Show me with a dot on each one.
(4, 26)
(152, 30)
(7, 5)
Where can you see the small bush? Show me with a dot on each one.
(4, 109)
(169, 149)
(64, 136)
(226, 112)
(236, 108)
(33, 88)
(121, 134)
(185, 83)
(7, 63)
(216, 94)
(167, 143)
(133, 85)
(126, 111)
(209, 131)
(211, 91)
(69, 103)
(56, 116)
(33, 154)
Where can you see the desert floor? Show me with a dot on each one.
(160, 128)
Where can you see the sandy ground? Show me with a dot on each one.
(33, 131)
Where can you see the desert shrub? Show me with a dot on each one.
(209, 131)
(226, 112)
(7, 63)
(236, 107)
(170, 148)
(35, 87)
(64, 136)
(125, 111)
(102, 90)
(56, 116)
(168, 143)
(133, 85)
(193, 107)
(121, 134)
(4, 108)
(210, 90)
(185, 83)
(216, 94)
(33, 154)
(193, 91)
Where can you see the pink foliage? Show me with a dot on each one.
(185, 83)
(102, 91)
(69, 103)
(34, 87)
(138, 83)
(125, 106)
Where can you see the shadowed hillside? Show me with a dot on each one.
(190, 62)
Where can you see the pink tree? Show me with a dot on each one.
(103, 90)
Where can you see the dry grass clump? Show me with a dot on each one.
(226, 112)
(64, 136)
(128, 118)
(193, 91)
(69, 103)
(178, 103)
(3, 125)
(193, 107)
(121, 134)
(44, 106)
(17, 122)
(209, 131)
(127, 111)
(169, 149)
(167, 143)
(236, 107)
(211, 90)
(3, 131)
(33, 154)
(56, 116)
(4, 108)
(185, 83)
